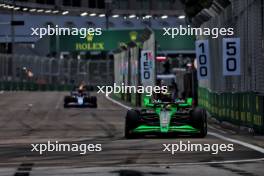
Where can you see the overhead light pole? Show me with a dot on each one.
(107, 13)
(11, 68)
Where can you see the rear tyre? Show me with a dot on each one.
(94, 101)
(66, 101)
(199, 120)
(131, 123)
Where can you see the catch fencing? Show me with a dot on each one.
(43, 73)
(244, 106)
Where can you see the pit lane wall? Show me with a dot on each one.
(127, 66)
(244, 106)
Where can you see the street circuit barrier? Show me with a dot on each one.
(31, 86)
(127, 66)
(241, 108)
(26, 72)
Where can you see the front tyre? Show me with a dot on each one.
(131, 123)
(94, 101)
(66, 102)
(199, 119)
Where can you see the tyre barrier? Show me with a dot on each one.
(242, 108)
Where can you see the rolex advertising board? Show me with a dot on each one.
(112, 39)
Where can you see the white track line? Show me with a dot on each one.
(59, 102)
(251, 146)
(199, 163)
(166, 164)
(221, 131)
(116, 102)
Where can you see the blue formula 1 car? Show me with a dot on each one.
(80, 97)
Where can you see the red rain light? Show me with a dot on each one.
(161, 58)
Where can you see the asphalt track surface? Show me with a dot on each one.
(36, 117)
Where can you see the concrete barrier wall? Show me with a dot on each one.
(127, 67)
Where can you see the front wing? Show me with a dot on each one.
(76, 101)
(178, 123)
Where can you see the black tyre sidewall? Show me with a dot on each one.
(131, 122)
(94, 101)
(199, 121)
(66, 101)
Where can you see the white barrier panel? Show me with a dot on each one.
(147, 68)
(231, 56)
(202, 55)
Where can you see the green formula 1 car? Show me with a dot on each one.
(177, 117)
